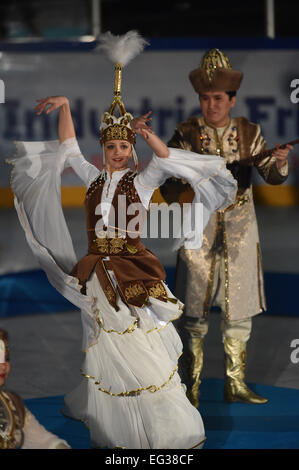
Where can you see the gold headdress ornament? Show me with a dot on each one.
(215, 74)
(4, 351)
(120, 50)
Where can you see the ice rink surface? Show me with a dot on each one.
(45, 348)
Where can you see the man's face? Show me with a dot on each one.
(216, 106)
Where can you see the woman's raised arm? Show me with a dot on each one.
(85, 170)
(66, 128)
(139, 125)
(154, 142)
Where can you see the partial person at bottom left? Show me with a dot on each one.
(19, 429)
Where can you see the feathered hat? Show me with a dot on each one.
(120, 50)
(215, 74)
(4, 352)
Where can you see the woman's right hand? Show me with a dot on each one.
(52, 102)
(66, 128)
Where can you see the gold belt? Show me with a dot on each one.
(113, 246)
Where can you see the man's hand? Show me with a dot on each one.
(281, 155)
(53, 102)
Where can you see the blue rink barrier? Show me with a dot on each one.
(30, 292)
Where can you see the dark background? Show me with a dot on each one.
(177, 18)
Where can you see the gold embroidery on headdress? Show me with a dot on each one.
(213, 60)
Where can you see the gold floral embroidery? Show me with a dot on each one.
(113, 245)
(116, 245)
(157, 290)
(134, 290)
(131, 249)
(109, 292)
(101, 245)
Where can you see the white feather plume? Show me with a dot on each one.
(121, 49)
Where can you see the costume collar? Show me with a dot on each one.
(215, 128)
(116, 175)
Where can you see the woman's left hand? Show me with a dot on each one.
(144, 132)
(140, 123)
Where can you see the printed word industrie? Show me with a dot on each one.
(162, 221)
(25, 124)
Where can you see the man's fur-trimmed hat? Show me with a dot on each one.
(215, 74)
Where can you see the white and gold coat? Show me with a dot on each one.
(233, 230)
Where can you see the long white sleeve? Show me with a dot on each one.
(148, 180)
(36, 182)
(74, 158)
(213, 184)
(37, 437)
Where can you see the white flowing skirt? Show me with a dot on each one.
(131, 395)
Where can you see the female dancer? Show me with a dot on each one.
(131, 395)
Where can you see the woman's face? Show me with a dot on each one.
(4, 371)
(117, 154)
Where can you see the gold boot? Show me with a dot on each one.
(194, 363)
(235, 388)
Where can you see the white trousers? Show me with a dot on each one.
(198, 327)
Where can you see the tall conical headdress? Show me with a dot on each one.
(215, 74)
(120, 50)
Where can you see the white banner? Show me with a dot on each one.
(156, 81)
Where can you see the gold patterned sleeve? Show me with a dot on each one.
(181, 138)
(267, 167)
(176, 140)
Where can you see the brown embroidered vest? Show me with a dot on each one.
(137, 271)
